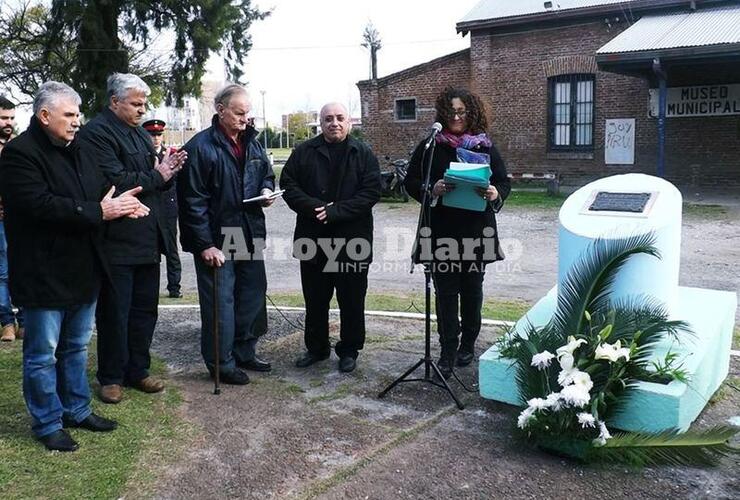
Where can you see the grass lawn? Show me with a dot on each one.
(507, 310)
(280, 153)
(528, 198)
(105, 463)
(704, 210)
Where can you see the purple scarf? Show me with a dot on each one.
(465, 141)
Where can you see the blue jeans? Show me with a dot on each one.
(54, 365)
(6, 308)
(241, 301)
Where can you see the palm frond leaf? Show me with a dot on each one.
(589, 281)
(531, 382)
(670, 448)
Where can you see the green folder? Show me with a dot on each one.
(466, 177)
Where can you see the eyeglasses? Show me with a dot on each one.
(459, 113)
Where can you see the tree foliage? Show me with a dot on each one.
(166, 42)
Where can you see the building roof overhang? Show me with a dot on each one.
(571, 15)
(683, 38)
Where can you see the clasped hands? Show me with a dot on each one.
(321, 214)
(441, 187)
(124, 205)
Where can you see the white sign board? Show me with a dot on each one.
(619, 146)
(704, 100)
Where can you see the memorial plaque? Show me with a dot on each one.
(605, 201)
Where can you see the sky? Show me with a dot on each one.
(307, 53)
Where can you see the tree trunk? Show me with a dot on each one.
(100, 52)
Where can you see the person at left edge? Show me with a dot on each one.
(8, 319)
(226, 165)
(127, 311)
(55, 208)
(156, 130)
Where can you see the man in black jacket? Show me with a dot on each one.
(332, 182)
(53, 217)
(127, 311)
(227, 165)
(156, 130)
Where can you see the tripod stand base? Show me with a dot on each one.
(428, 363)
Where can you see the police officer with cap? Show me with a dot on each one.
(156, 130)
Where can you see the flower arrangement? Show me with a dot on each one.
(576, 372)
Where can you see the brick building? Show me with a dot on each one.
(574, 86)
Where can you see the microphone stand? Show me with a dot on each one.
(425, 217)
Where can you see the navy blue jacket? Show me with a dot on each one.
(212, 185)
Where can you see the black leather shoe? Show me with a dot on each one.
(464, 358)
(233, 377)
(59, 441)
(445, 367)
(93, 423)
(347, 364)
(256, 365)
(175, 295)
(309, 358)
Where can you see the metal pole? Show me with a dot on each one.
(287, 126)
(216, 343)
(264, 117)
(662, 75)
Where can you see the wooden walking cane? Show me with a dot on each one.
(216, 346)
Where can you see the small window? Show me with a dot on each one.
(571, 112)
(406, 109)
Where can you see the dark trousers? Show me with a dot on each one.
(318, 289)
(172, 256)
(126, 317)
(241, 310)
(466, 286)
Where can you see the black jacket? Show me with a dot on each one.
(456, 223)
(125, 156)
(53, 221)
(306, 181)
(212, 186)
(169, 196)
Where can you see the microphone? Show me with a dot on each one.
(436, 129)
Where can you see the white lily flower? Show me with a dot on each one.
(586, 420)
(554, 401)
(571, 346)
(575, 396)
(612, 352)
(538, 404)
(583, 380)
(565, 377)
(524, 417)
(603, 435)
(542, 360)
(566, 361)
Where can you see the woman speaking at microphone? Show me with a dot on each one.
(462, 241)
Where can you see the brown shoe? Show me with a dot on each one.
(7, 334)
(111, 394)
(148, 385)
(20, 332)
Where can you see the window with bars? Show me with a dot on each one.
(571, 112)
(405, 109)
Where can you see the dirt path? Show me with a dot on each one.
(710, 252)
(316, 433)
